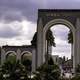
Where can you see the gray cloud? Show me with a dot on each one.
(61, 49)
(63, 4)
(12, 16)
(10, 31)
(60, 31)
(18, 10)
(28, 8)
(9, 8)
(61, 35)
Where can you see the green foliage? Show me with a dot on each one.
(34, 40)
(78, 68)
(49, 37)
(9, 71)
(77, 77)
(70, 37)
(50, 61)
(27, 63)
(11, 59)
(47, 72)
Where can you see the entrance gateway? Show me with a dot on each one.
(48, 18)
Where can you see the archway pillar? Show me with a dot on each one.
(39, 56)
(74, 51)
(2, 56)
(78, 41)
(33, 60)
(18, 54)
(76, 45)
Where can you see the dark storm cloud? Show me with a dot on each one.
(63, 4)
(28, 8)
(12, 16)
(18, 9)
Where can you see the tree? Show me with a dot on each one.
(49, 38)
(50, 41)
(34, 40)
(70, 41)
(78, 68)
(50, 61)
(70, 37)
(48, 72)
(15, 71)
(77, 77)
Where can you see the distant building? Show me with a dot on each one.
(67, 66)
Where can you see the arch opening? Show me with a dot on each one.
(11, 57)
(60, 49)
(56, 22)
(26, 59)
(26, 55)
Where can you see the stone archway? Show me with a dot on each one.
(11, 56)
(48, 18)
(27, 54)
(59, 21)
(10, 52)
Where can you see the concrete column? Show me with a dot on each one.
(75, 46)
(2, 56)
(78, 40)
(33, 60)
(18, 54)
(44, 46)
(74, 53)
(39, 43)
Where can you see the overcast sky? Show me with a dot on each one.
(62, 48)
(18, 18)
